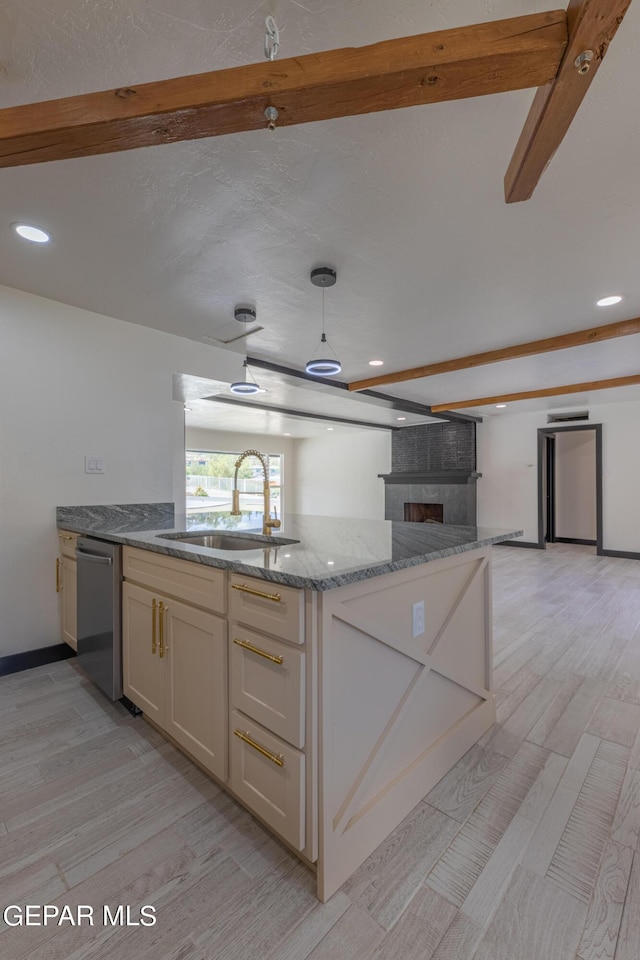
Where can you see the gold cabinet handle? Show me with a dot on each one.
(256, 593)
(65, 536)
(276, 758)
(154, 604)
(261, 653)
(58, 584)
(162, 609)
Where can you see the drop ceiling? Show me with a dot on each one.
(407, 205)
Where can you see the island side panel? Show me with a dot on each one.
(397, 712)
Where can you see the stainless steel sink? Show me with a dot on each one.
(221, 540)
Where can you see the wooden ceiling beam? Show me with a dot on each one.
(535, 394)
(579, 338)
(452, 64)
(592, 26)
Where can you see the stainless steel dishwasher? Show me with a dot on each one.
(100, 614)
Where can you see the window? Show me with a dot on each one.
(209, 482)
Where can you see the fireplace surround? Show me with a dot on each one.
(433, 464)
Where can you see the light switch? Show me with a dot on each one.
(93, 464)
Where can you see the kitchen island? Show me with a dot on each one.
(343, 667)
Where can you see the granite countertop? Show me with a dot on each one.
(331, 552)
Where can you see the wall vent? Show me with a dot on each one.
(567, 417)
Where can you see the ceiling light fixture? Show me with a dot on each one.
(321, 366)
(244, 388)
(500, 406)
(608, 301)
(244, 314)
(28, 232)
(401, 418)
(329, 428)
(376, 363)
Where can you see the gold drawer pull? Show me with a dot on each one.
(276, 758)
(65, 536)
(58, 587)
(162, 609)
(154, 604)
(261, 653)
(256, 593)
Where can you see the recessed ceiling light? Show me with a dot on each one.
(330, 563)
(287, 434)
(609, 301)
(401, 418)
(28, 232)
(329, 428)
(376, 363)
(500, 406)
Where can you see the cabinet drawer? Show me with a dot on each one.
(270, 607)
(67, 541)
(274, 790)
(267, 682)
(194, 582)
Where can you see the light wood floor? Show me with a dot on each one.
(539, 822)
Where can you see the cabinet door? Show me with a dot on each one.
(196, 683)
(142, 668)
(68, 600)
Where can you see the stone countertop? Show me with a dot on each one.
(331, 552)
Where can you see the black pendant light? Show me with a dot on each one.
(321, 365)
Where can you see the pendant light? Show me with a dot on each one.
(322, 366)
(246, 387)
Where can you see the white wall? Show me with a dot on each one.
(197, 438)
(575, 469)
(75, 383)
(337, 475)
(507, 459)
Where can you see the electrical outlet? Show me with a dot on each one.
(418, 618)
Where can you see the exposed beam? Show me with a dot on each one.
(579, 338)
(291, 376)
(592, 25)
(446, 65)
(547, 392)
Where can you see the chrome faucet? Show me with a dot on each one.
(268, 524)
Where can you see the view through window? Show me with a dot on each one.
(209, 476)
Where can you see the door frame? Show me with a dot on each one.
(543, 434)
(549, 488)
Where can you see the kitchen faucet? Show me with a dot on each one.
(267, 523)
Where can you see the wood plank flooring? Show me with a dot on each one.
(527, 849)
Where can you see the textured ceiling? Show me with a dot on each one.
(406, 205)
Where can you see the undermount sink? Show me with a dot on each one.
(221, 540)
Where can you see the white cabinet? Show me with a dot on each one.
(66, 586)
(175, 668)
(267, 698)
(143, 671)
(338, 721)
